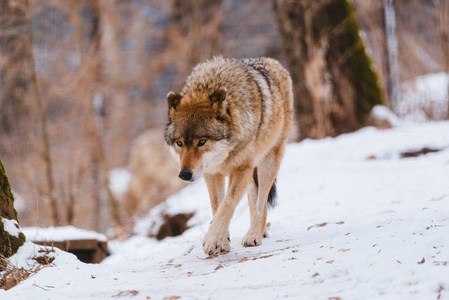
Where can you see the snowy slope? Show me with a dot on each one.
(353, 221)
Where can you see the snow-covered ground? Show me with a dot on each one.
(354, 220)
(61, 234)
(425, 98)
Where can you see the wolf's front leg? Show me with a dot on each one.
(217, 237)
(216, 188)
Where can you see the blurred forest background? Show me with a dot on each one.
(83, 86)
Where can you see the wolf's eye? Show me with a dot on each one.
(202, 142)
(179, 143)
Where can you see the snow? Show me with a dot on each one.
(119, 181)
(354, 220)
(383, 113)
(11, 226)
(19, 203)
(425, 97)
(61, 233)
(24, 257)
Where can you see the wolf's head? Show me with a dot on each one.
(198, 131)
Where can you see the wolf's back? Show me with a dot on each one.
(275, 90)
(277, 79)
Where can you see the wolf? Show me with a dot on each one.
(232, 118)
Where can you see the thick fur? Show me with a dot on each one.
(232, 118)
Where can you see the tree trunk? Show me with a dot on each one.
(13, 79)
(41, 116)
(443, 23)
(91, 62)
(371, 17)
(10, 236)
(392, 50)
(196, 27)
(334, 84)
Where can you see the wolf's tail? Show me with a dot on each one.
(272, 194)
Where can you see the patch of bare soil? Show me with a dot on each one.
(420, 152)
(174, 225)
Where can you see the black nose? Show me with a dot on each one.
(185, 175)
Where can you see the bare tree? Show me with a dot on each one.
(91, 61)
(199, 21)
(41, 115)
(334, 84)
(392, 50)
(442, 8)
(13, 79)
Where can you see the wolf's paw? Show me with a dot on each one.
(252, 240)
(216, 243)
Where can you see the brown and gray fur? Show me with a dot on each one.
(232, 118)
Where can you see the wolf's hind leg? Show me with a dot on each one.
(266, 171)
(252, 198)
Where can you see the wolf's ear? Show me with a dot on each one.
(173, 100)
(219, 96)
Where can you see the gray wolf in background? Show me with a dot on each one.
(232, 118)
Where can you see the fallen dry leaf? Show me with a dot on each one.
(219, 267)
(317, 225)
(126, 293)
(315, 275)
(344, 250)
(324, 224)
(265, 256)
(243, 259)
(254, 258)
(422, 261)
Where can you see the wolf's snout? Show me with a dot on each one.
(185, 175)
